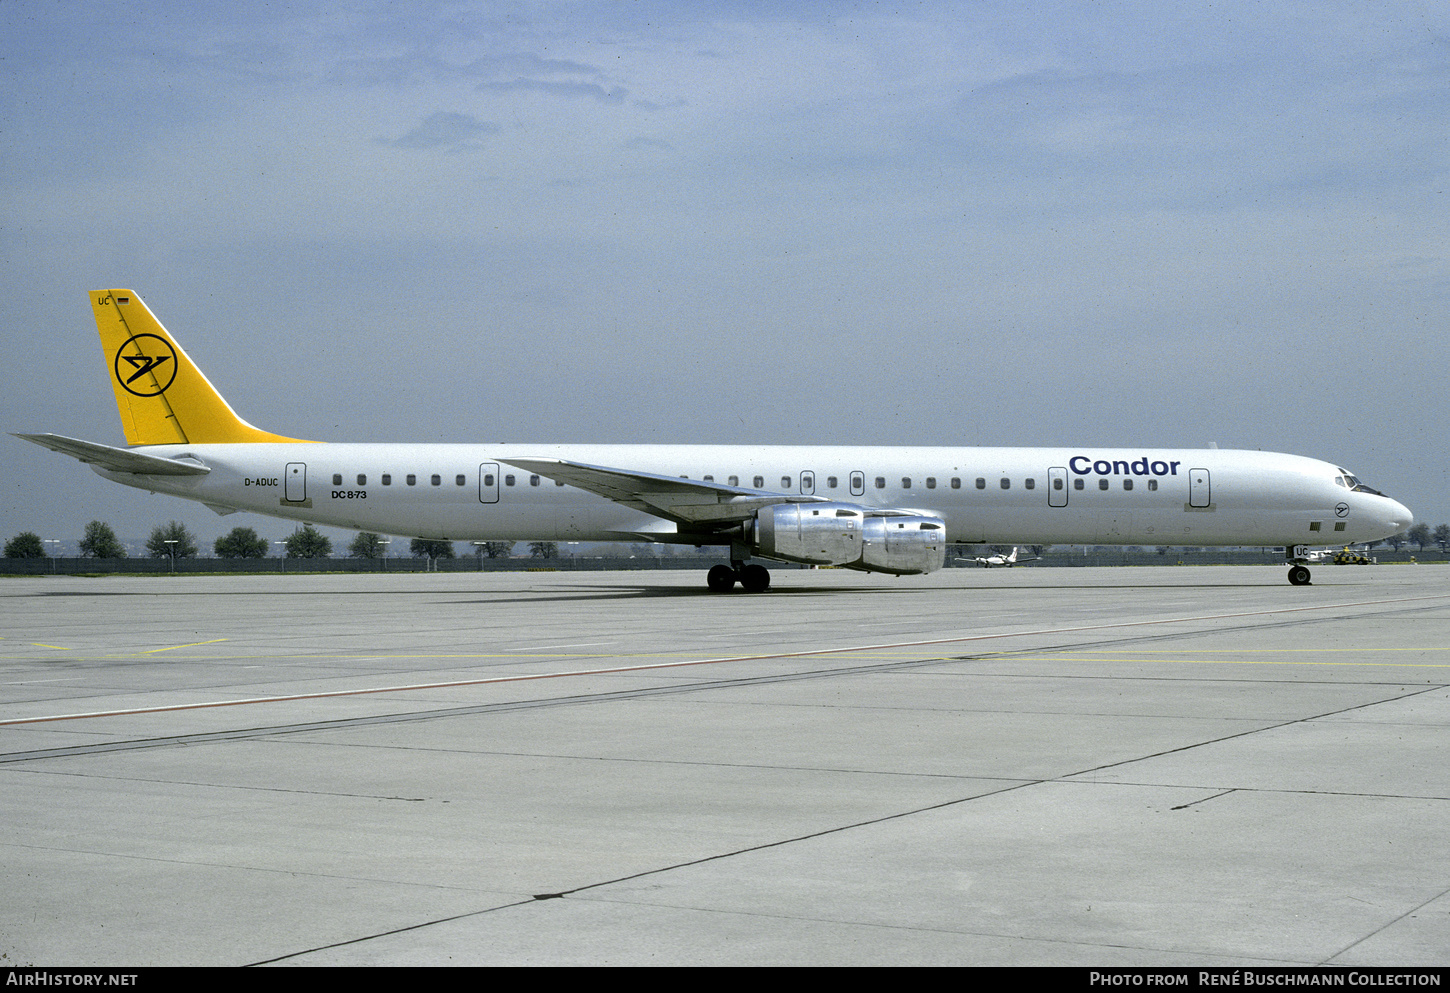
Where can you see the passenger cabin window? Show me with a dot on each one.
(906, 482)
(931, 482)
(956, 482)
(508, 480)
(533, 480)
(734, 481)
(387, 479)
(1127, 484)
(759, 482)
(1077, 483)
(362, 479)
(1152, 484)
(1102, 484)
(785, 482)
(1030, 483)
(830, 482)
(981, 483)
(488, 479)
(437, 480)
(337, 479)
(881, 482)
(708, 479)
(412, 479)
(460, 480)
(1006, 483)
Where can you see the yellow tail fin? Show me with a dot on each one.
(162, 397)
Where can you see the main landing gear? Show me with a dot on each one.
(752, 578)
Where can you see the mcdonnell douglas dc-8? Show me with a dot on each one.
(876, 509)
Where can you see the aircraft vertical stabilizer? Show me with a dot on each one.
(162, 397)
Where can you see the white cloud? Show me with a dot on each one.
(450, 131)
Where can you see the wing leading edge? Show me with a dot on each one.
(691, 503)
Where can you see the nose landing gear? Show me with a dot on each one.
(1298, 571)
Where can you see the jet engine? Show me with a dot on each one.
(846, 535)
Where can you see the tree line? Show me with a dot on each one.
(175, 540)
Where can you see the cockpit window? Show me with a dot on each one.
(1349, 479)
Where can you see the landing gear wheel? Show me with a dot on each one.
(720, 578)
(755, 578)
(1299, 575)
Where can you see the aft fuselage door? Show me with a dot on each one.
(294, 489)
(488, 482)
(1057, 486)
(1199, 492)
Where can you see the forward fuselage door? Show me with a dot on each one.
(488, 482)
(1057, 486)
(1199, 492)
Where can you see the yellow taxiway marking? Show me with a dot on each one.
(1265, 651)
(1169, 657)
(147, 651)
(686, 661)
(194, 644)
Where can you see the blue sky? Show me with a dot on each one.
(1133, 224)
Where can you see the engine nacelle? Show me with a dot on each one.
(904, 546)
(846, 535)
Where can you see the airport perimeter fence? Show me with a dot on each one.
(200, 566)
(1051, 558)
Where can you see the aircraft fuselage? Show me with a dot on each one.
(997, 495)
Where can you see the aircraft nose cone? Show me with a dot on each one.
(1398, 517)
(1407, 515)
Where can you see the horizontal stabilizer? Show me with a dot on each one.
(116, 459)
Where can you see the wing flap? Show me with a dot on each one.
(115, 459)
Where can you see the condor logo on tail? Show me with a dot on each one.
(161, 364)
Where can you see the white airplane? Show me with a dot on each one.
(999, 559)
(890, 510)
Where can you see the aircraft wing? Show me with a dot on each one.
(692, 503)
(115, 459)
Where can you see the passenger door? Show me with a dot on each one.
(488, 482)
(1057, 486)
(295, 483)
(1199, 492)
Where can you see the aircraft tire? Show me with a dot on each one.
(755, 578)
(720, 578)
(1298, 575)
